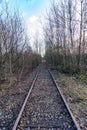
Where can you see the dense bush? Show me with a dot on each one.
(63, 62)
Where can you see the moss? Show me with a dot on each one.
(61, 81)
(82, 77)
(5, 86)
(14, 82)
(78, 100)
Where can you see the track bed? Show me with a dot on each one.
(45, 109)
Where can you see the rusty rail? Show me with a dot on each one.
(70, 113)
(63, 99)
(24, 104)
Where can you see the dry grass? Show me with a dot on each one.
(76, 96)
(4, 87)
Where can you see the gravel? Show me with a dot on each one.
(12, 100)
(45, 108)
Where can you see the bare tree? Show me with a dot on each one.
(66, 22)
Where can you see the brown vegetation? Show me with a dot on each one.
(16, 55)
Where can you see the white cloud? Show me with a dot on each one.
(35, 29)
(34, 26)
(33, 23)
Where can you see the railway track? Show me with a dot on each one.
(45, 107)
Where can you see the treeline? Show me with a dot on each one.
(15, 53)
(66, 35)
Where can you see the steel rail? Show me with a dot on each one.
(24, 104)
(66, 105)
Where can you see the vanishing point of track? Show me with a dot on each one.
(45, 107)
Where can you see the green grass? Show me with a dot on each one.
(82, 77)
